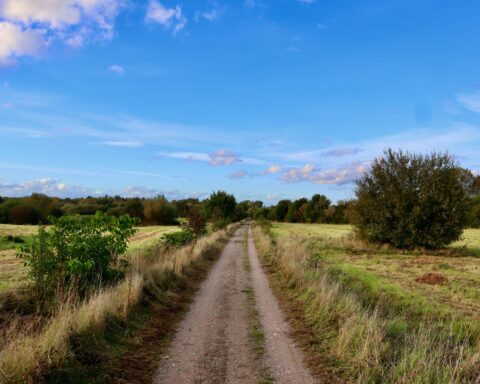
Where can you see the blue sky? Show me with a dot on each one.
(264, 99)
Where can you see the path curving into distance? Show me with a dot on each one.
(213, 345)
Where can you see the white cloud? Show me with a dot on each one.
(48, 186)
(28, 26)
(135, 191)
(470, 101)
(273, 169)
(224, 157)
(211, 15)
(218, 158)
(117, 69)
(128, 144)
(344, 174)
(171, 18)
(17, 41)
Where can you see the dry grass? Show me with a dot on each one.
(38, 351)
(369, 326)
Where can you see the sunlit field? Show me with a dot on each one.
(12, 272)
(437, 292)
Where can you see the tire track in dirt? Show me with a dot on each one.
(212, 343)
(283, 357)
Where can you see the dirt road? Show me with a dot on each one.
(213, 343)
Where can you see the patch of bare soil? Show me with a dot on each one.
(431, 278)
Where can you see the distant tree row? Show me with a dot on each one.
(219, 209)
(318, 209)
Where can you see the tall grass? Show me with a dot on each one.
(364, 341)
(26, 355)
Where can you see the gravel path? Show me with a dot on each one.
(212, 344)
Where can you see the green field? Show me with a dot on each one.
(387, 312)
(470, 238)
(461, 291)
(12, 272)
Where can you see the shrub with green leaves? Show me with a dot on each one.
(178, 239)
(78, 252)
(411, 200)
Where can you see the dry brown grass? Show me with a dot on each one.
(26, 354)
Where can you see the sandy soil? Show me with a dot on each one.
(283, 357)
(212, 344)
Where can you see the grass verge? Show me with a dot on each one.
(92, 342)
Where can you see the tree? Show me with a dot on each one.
(296, 211)
(220, 208)
(410, 200)
(281, 210)
(159, 211)
(23, 214)
(315, 209)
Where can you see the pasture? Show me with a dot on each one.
(12, 272)
(434, 293)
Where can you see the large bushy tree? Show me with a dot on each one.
(220, 208)
(413, 200)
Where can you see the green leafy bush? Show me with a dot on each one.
(178, 239)
(77, 252)
(409, 200)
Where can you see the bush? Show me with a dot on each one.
(24, 214)
(410, 200)
(178, 239)
(77, 252)
(196, 221)
(159, 211)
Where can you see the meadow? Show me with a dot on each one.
(13, 274)
(387, 313)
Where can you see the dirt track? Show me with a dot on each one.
(212, 343)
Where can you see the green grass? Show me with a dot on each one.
(324, 230)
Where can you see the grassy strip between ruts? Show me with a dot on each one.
(363, 327)
(103, 339)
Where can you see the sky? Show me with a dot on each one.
(266, 99)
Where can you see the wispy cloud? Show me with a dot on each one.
(138, 191)
(170, 18)
(238, 175)
(119, 70)
(218, 158)
(224, 157)
(470, 101)
(128, 144)
(48, 186)
(340, 152)
(342, 175)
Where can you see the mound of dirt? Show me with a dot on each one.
(431, 278)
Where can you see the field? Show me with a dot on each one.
(435, 291)
(12, 272)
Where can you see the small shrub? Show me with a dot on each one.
(178, 239)
(77, 252)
